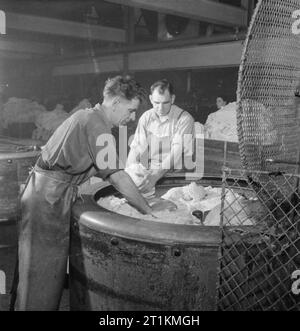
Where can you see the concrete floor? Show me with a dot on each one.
(65, 301)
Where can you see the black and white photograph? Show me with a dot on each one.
(149, 158)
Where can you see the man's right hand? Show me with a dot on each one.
(124, 184)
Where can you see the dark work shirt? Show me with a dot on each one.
(73, 146)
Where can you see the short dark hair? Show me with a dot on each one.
(124, 86)
(162, 86)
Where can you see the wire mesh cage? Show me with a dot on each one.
(260, 210)
(268, 109)
(260, 249)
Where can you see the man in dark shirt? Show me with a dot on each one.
(72, 155)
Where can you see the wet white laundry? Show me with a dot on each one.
(189, 198)
(120, 206)
(138, 172)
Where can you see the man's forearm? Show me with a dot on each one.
(124, 184)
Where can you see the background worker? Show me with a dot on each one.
(221, 101)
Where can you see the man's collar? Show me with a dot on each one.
(167, 117)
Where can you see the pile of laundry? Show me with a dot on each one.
(222, 124)
(196, 205)
(204, 203)
(49, 121)
(17, 110)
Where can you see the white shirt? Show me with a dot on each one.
(160, 133)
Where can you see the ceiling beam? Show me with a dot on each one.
(63, 28)
(202, 10)
(26, 47)
(54, 8)
(126, 49)
(203, 56)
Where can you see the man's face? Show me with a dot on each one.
(124, 110)
(162, 102)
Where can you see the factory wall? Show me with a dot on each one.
(198, 73)
(197, 77)
(196, 89)
(203, 56)
(28, 79)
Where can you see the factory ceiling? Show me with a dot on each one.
(36, 29)
(202, 10)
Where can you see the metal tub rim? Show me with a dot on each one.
(88, 213)
(17, 155)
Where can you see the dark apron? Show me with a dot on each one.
(44, 238)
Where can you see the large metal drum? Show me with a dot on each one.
(15, 163)
(122, 263)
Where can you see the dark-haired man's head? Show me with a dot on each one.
(122, 95)
(162, 97)
(125, 87)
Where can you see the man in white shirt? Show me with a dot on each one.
(163, 138)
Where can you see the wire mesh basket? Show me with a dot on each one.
(260, 209)
(260, 247)
(269, 76)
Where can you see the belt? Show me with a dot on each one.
(56, 172)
